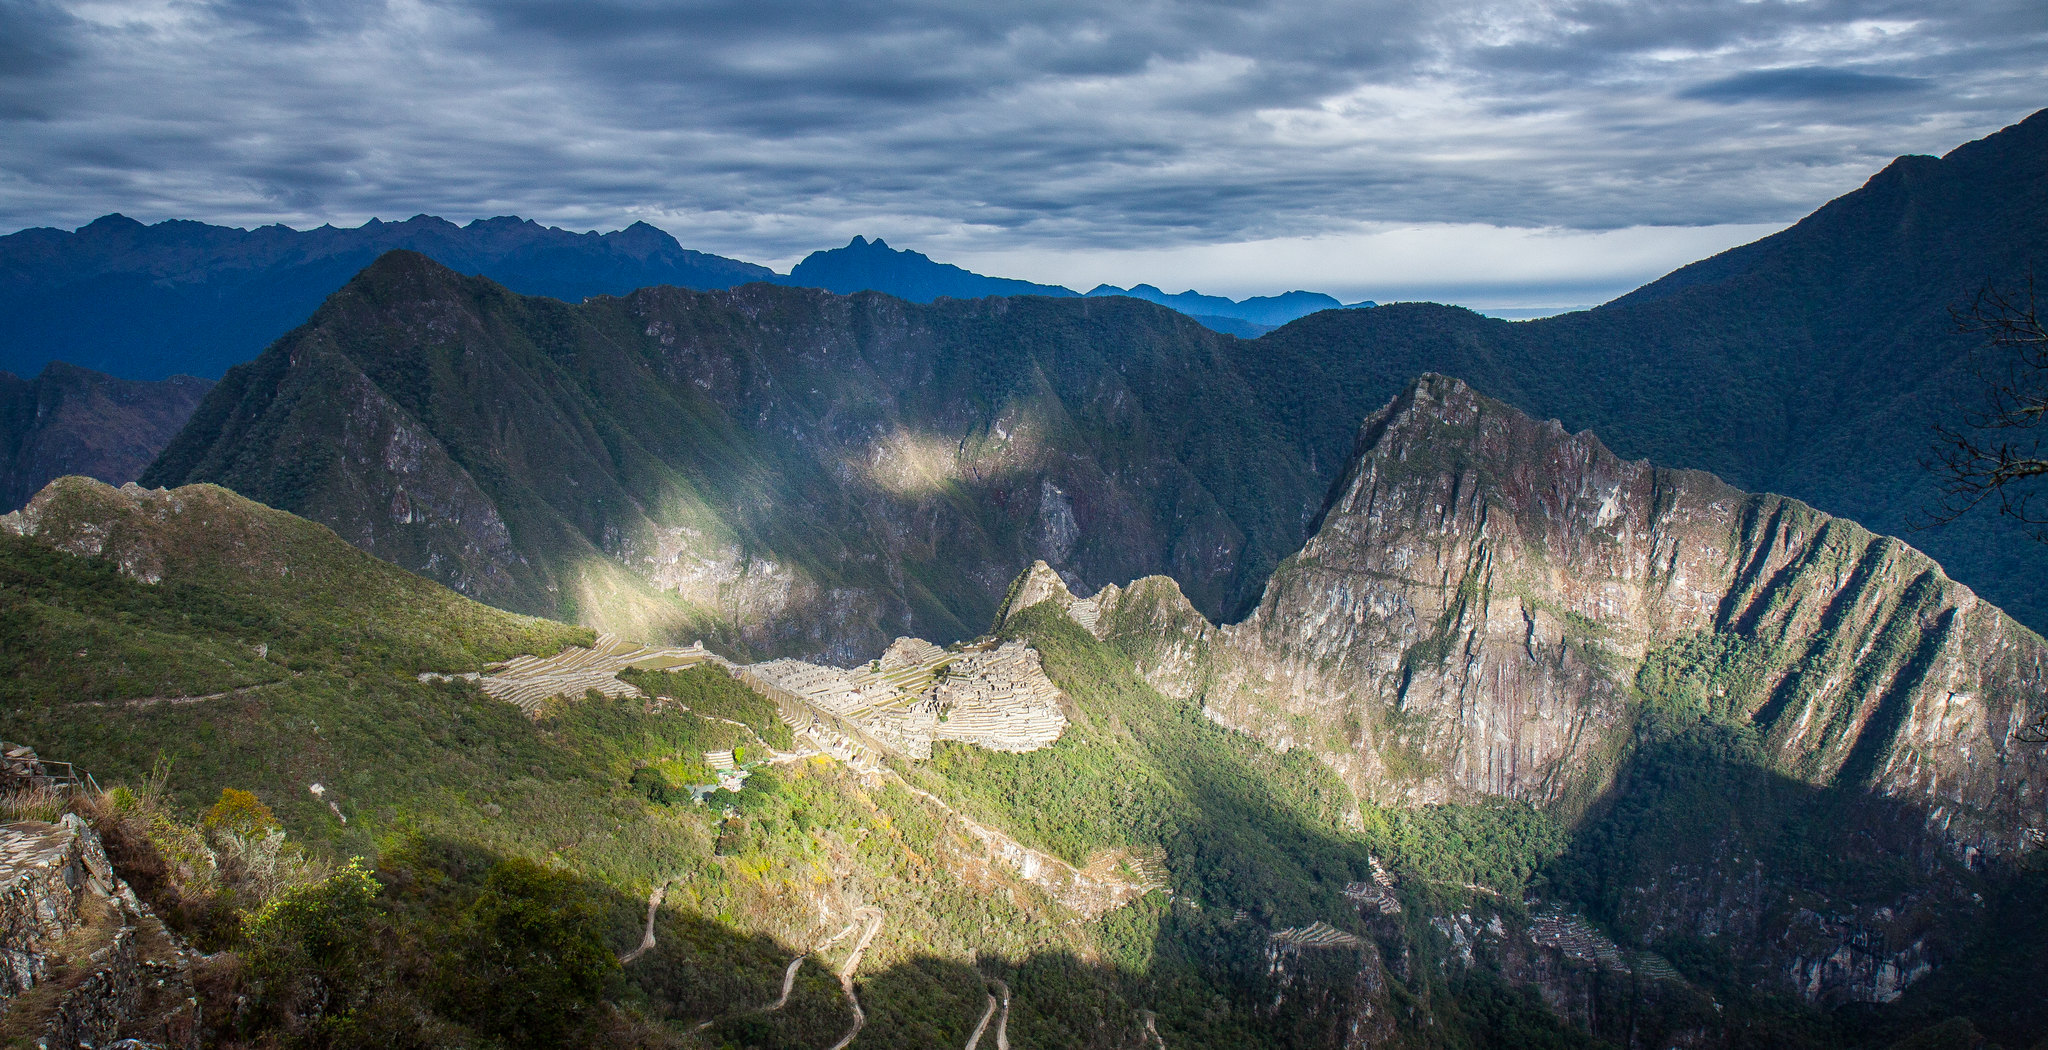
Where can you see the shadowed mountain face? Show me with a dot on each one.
(789, 470)
(145, 302)
(1810, 363)
(816, 473)
(71, 420)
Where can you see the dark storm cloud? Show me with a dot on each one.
(768, 128)
(1801, 85)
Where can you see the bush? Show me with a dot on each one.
(239, 812)
(307, 947)
(534, 959)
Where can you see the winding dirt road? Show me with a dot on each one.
(851, 966)
(986, 1016)
(647, 938)
(1152, 1030)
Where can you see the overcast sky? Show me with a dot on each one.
(1500, 154)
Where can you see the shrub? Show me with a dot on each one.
(238, 812)
(534, 959)
(307, 947)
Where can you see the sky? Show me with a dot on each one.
(1511, 156)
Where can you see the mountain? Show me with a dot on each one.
(146, 302)
(1265, 312)
(263, 701)
(865, 265)
(1527, 746)
(687, 460)
(71, 420)
(1812, 362)
(1485, 594)
(1775, 735)
(786, 469)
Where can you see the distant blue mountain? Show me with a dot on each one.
(865, 265)
(872, 266)
(145, 302)
(1271, 311)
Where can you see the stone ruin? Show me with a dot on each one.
(997, 697)
(83, 962)
(915, 693)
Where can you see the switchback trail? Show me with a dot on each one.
(846, 972)
(1152, 1030)
(647, 938)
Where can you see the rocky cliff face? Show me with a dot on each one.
(1471, 616)
(71, 420)
(1777, 733)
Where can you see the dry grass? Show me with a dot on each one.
(40, 802)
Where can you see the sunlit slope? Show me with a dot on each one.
(278, 658)
(782, 469)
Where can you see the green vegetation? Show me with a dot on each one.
(711, 693)
(506, 863)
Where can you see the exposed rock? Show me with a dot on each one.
(1469, 617)
(86, 963)
(993, 696)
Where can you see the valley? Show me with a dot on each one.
(1381, 783)
(628, 649)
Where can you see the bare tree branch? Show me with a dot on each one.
(1997, 453)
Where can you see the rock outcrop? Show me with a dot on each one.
(85, 962)
(1471, 614)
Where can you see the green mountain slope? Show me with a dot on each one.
(491, 836)
(783, 469)
(239, 647)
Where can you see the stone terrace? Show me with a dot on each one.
(529, 681)
(917, 693)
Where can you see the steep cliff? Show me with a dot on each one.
(1487, 599)
(70, 420)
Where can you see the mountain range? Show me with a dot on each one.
(1526, 746)
(181, 297)
(724, 462)
(148, 302)
(865, 265)
(769, 667)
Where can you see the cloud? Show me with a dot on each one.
(765, 129)
(1803, 85)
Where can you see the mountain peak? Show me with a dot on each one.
(111, 222)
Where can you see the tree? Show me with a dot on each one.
(1997, 453)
